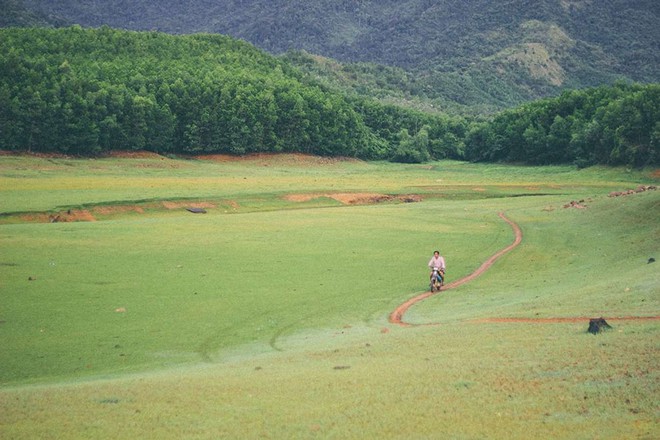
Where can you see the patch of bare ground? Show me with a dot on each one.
(71, 215)
(355, 198)
(117, 209)
(90, 215)
(639, 189)
(180, 205)
(577, 205)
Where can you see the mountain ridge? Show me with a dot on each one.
(471, 51)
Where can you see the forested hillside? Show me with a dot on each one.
(477, 53)
(617, 125)
(87, 91)
(84, 91)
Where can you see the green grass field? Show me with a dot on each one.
(267, 317)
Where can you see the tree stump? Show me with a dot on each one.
(598, 325)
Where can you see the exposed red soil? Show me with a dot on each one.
(179, 205)
(485, 265)
(117, 209)
(72, 215)
(354, 198)
(396, 317)
(639, 189)
(81, 215)
(574, 204)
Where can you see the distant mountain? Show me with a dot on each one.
(15, 13)
(472, 52)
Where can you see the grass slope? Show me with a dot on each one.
(270, 320)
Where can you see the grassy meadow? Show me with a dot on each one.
(267, 316)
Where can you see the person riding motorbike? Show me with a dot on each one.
(437, 262)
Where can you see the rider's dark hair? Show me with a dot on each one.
(436, 252)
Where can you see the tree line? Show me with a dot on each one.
(87, 91)
(84, 91)
(611, 125)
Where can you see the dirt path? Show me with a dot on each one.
(396, 317)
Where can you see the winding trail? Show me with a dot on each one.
(396, 317)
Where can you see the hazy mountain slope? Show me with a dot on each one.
(469, 51)
(15, 13)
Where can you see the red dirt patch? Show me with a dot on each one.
(71, 215)
(354, 198)
(576, 205)
(179, 205)
(119, 209)
(639, 189)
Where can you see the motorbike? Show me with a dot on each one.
(437, 279)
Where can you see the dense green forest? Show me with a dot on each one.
(482, 55)
(84, 91)
(614, 125)
(87, 91)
